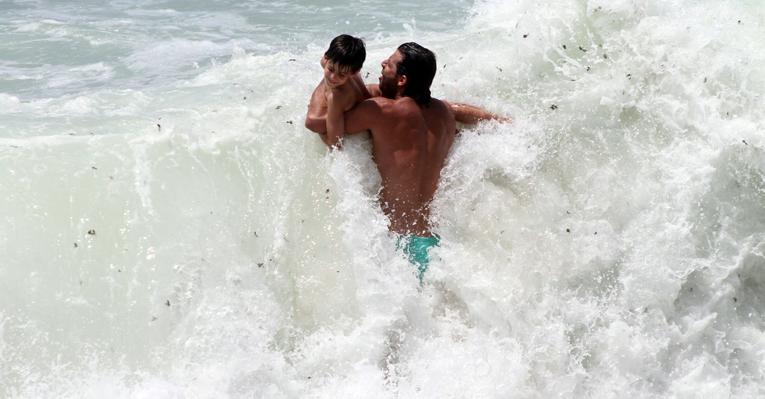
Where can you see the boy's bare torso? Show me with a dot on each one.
(346, 96)
(325, 110)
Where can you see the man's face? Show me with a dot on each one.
(389, 78)
(334, 76)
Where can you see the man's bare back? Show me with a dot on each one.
(410, 145)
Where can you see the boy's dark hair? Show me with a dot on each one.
(347, 52)
(419, 66)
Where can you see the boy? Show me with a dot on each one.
(339, 90)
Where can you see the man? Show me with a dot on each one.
(412, 134)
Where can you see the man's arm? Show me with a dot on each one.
(366, 115)
(315, 119)
(338, 101)
(463, 113)
(471, 115)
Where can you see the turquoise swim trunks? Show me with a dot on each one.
(416, 249)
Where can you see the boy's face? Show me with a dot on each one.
(334, 76)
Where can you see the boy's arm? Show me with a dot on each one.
(469, 114)
(315, 119)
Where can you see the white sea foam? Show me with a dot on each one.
(190, 238)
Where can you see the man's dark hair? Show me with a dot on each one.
(419, 66)
(347, 52)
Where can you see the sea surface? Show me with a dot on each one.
(169, 229)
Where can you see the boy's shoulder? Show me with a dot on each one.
(351, 91)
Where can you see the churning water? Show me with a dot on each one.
(171, 230)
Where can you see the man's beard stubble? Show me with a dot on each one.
(388, 87)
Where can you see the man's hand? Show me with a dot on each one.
(468, 114)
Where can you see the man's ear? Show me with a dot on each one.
(323, 61)
(401, 80)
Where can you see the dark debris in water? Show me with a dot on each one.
(260, 264)
(76, 245)
(167, 302)
(564, 46)
(744, 141)
(553, 107)
(582, 49)
(525, 35)
(91, 232)
(290, 122)
(588, 69)
(278, 107)
(568, 230)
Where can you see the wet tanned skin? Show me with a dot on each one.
(410, 145)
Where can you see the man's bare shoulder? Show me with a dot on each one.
(439, 106)
(381, 102)
(404, 106)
